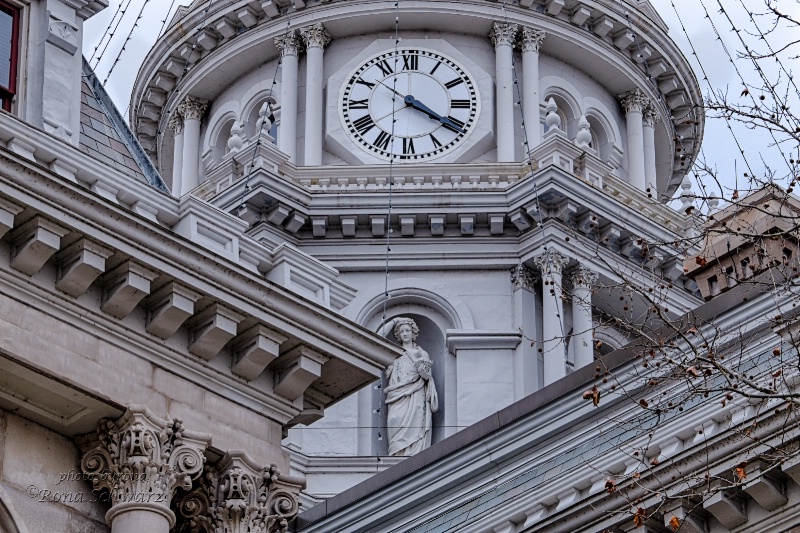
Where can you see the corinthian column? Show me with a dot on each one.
(140, 460)
(502, 36)
(582, 328)
(192, 109)
(649, 142)
(526, 372)
(552, 265)
(315, 37)
(531, 42)
(634, 103)
(289, 45)
(176, 125)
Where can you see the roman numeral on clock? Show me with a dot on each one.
(382, 142)
(368, 84)
(455, 122)
(459, 104)
(408, 146)
(434, 68)
(410, 62)
(452, 83)
(358, 104)
(364, 124)
(435, 141)
(385, 67)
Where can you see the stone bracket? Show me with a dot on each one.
(79, 265)
(8, 211)
(296, 370)
(728, 510)
(766, 490)
(125, 287)
(168, 308)
(689, 519)
(33, 243)
(258, 347)
(212, 329)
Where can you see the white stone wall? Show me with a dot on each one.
(39, 479)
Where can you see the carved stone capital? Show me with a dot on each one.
(315, 36)
(176, 123)
(192, 108)
(523, 277)
(634, 101)
(551, 262)
(239, 496)
(503, 34)
(289, 44)
(141, 459)
(650, 115)
(583, 277)
(531, 39)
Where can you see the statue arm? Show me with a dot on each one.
(387, 328)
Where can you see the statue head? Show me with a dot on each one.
(405, 321)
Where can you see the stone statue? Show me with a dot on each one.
(411, 394)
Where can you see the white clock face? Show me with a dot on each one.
(410, 105)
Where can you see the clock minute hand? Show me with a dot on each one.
(419, 106)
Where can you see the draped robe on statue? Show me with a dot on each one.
(411, 401)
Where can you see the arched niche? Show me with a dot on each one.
(219, 131)
(252, 107)
(567, 99)
(436, 309)
(431, 339)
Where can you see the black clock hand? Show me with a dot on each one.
(419, 106)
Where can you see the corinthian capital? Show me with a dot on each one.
(523, 277)
(315, 36)
(634, 101)
(141, 459)
(503, 34)
(289, 44)
(239, 496)
(192, 108)
(551, 262)
(583, 277)
(176, 123)
(531, 39)
(650, 114)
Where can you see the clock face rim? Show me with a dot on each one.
(367, 146)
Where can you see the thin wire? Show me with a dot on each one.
(270, 116)
(111, 35)
(166, 18)
(127, 39)
(379, 436)
(708, 82)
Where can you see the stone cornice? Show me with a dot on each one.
(175, 257)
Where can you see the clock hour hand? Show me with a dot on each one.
(419, 106)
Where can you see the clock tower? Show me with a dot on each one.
(496, 172)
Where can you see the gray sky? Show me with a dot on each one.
(720, 147)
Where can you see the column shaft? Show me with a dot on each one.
(135, 521)
(553, 346)
(553, 335)
(582, 326)
(287, 138)
(634, 104)
(191, 155)
(176, 125)
(503, 39)
(192, 110)
(315, 38)
(649, 142)
(531, 41)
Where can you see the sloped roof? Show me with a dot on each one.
(105, 136)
